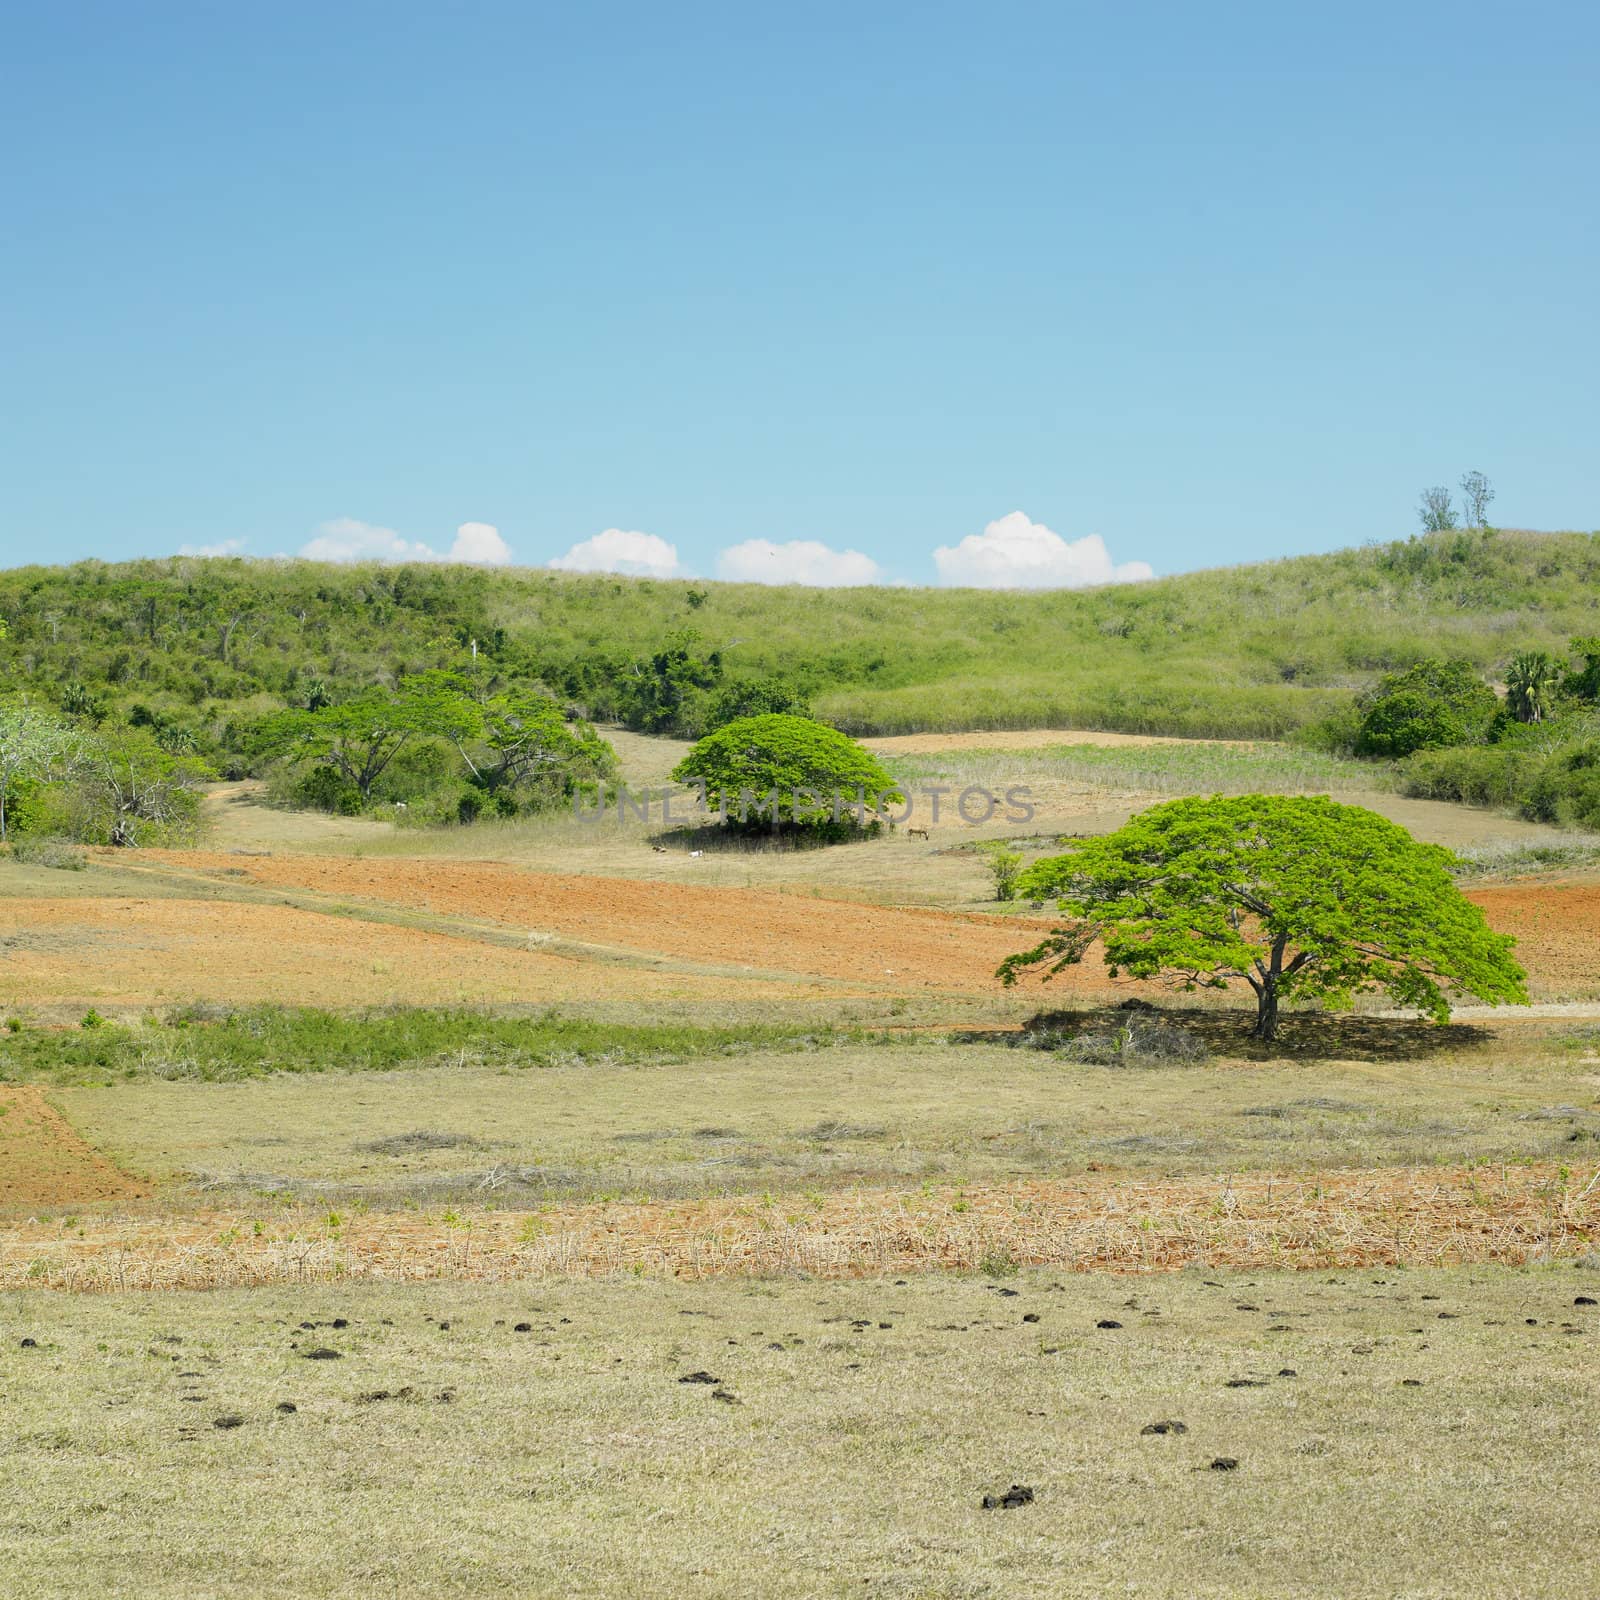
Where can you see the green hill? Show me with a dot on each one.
(1252, 651)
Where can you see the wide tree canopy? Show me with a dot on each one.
(777, 770)
(1301, 897)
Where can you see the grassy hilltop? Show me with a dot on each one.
(1254, 651)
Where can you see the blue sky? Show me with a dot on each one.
(1207, 283)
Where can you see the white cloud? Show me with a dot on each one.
(636, 555)
(224, 547)
(799, 561)
(1015, 553)
(347, 539)
(480, 544)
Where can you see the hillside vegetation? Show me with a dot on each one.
(1250, 652)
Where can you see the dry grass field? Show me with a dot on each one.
(1338, 1433)
(1355, 1263)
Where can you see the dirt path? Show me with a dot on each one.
(237, 817)
(1430, 1216)
(44, 1163)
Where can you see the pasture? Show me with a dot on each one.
(529, 1122)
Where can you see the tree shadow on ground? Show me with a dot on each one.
(717, 836)
(1302, 1036)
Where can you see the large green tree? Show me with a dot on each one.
(357, 739)
(1300, 897)
(517, 738)
(783, 771)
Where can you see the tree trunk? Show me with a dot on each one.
(1266, 1028)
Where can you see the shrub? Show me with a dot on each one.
(754, 697)
(323, 789)
(1005, 867)
(1474, 775)
(1433, 704)
(1139, 1042)
(777, 771)
(1566, 788)
(50, 852)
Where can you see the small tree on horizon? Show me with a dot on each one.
(1298, 896)
(1476, 493)
(1437, 513)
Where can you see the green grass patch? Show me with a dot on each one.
(213, 1045)
(1180, 769)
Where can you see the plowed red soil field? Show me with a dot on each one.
(130, 952)
(1557, 928)
(882, 948)
(44, 1163)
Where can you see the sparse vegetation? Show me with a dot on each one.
(852, 1456)
(61, 854)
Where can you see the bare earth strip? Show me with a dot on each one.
(1432, 1216)
(152, 952)
(43, 1162)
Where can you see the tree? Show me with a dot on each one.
(1437, 513)
(519, 737)
(779, 770)
(134, 792)
(665, 693)
(1427, 707)
(357, 739)
(33, 746)
(1531, 684)
(1301, 897)
(1476, 494)
(530, 744)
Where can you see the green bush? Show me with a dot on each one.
(754, 697)
(779, 772)
(1566, 787)
(323, 789)
(1475, 775)
(1429, 706)
(1551, 774)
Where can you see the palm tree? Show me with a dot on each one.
(1530, 685)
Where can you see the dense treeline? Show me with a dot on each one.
(208, 646)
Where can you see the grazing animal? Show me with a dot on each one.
(660, 849)
(694, 855)
(916, 833)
